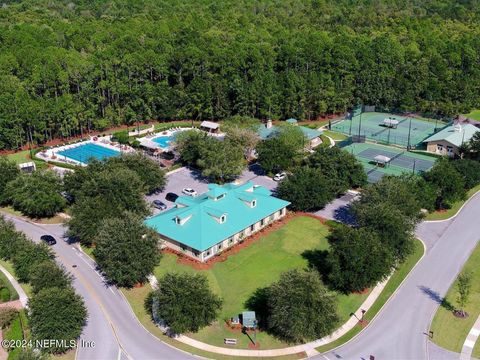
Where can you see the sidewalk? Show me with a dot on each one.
(308, 348)
(470, 341)
(23, 298)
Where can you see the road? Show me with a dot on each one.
(400, 329)
(398, 332)
(111, 325)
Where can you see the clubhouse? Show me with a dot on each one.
(203, 226)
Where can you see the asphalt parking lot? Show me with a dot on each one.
(185, 177)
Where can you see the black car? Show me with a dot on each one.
(159, 204)
(171, 197)
(48, 239)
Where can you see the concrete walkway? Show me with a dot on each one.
(470, 341)
(22, 296)
(308, 348)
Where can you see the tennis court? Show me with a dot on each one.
(84, 152)
(409, 130)
(400, 161)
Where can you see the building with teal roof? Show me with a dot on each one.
(203, 226)
(449, 140)
(267, 130)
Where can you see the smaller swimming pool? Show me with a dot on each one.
(85, 152)
(165, 140)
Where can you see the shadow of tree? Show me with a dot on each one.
(435, 296)
(344, 214)
(258, 302)
(317, 259)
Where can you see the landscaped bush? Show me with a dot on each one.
(7, 314)
(36, 195)
(121, 136)
(4, 294)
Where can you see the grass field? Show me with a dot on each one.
(449, 331)
(57, 219)
(258, 266)
(24, 156)
(474, 114)
(443, 215)
(335, 135)
(13, 295)
(395, 280)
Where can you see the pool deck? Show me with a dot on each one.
(52, 154)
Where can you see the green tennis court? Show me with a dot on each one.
(406, 131)
(400, 161)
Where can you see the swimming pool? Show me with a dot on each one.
(83, 153)
(165, 140)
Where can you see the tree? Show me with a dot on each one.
(464, 284)
(474, 146)
(307, 189)
(105, 195)
(244, 136)
(10, 239)
(339, 165)
(301, 309)
(126, 250)
(36, 195)
(27, 256)
(394, 229)
(57, 313)
(221, 160)
(152, 176)
(447, 182)
(47, 274)
(185, 302)
(396, 191)
(121, 136)
(189, 144)
(358, 259)
(8, 172)
(469, 170)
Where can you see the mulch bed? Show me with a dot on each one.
(223, 256)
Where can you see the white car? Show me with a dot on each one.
(189, 192)
(280, 176)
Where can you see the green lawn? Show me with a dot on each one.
(24, 156)
(474, 114)
(12, 293)
(449, 331)
(395, 280)
(335, 135)
(443, 215)
(256, 266)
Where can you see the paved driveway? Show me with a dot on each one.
(186, 177)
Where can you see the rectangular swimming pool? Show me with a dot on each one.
(85, 152)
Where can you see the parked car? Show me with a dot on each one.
(171, 197)
(48, 239)
(189, 192)
(280, 176)
(160, 205)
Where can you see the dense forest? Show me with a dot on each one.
(70, 66)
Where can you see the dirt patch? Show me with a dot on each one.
(460, 314)
(223, 256)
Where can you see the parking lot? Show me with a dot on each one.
(188, 178)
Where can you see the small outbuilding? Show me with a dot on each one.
(210, 126)
(249, 320)
(449, 140)
(27, 167)
(292, 121)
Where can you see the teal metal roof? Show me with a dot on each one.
(248, 319)
(292, 121)
(202, 228)
(265, 133)
(453, 136)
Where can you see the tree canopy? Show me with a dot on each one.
(68, 67)
(36, 195)
(185, 302)
(8, 172)
(300, 307)
(126, 250)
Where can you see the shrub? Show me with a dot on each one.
(7, 314)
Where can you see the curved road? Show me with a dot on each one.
(111, 325)
(400, 329)
(398, 332)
